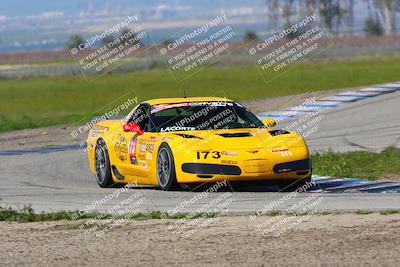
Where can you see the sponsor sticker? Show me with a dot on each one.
(150, 147)
(230, 162)
(121, 149)
(285, 152)
(227, 153)
(213, 104)
(177, 128)
(158, 108)
(143, 164)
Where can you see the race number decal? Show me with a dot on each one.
(206, 154)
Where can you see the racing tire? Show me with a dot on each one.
(293, 185)
(165, 169)
(102, 165)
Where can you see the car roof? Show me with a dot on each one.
(159, 101)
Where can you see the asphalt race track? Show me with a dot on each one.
(54, 179)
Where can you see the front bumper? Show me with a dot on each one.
(255, 171)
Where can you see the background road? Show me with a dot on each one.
(61, 180)
(371, 125)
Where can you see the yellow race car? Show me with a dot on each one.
(167, 142)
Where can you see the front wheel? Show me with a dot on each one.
(166, 168)
(102, 165)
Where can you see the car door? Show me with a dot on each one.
(135, 151)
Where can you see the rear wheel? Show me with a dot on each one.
(166, 168)
(102, 165)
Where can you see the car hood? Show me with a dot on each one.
(234, 139)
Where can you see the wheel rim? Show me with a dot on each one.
(164, 165)
(100, 164)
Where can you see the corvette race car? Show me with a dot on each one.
(167, 142)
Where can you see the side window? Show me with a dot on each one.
(140, 116)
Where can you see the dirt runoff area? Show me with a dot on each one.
(321, 240)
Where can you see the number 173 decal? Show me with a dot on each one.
(207, 154)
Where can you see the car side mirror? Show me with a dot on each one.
(132, 128)
(269, 123)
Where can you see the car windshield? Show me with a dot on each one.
(201, 116)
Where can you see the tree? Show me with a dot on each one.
(129, 36)
(338, 16)
(350, 16)
(273, 11)
(250, 36)
(330, 12)
(108, 40)
(167, 42)
(75, 41)
(287, 12)
(311, 6)
(386, 12)
(373, 27)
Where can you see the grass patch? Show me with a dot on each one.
(326, 213)
(362, 165)
(27, 214)
(390, 212)
(51, 101)
(275, 213)
(363, 212)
